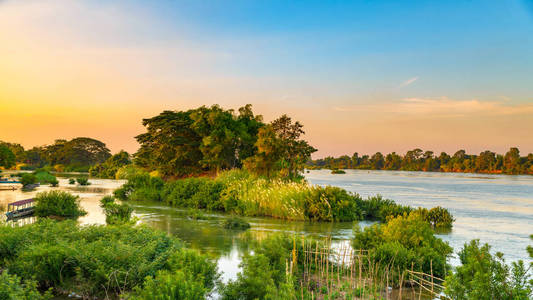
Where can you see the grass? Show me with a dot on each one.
(240, 193)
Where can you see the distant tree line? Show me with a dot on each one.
(78, 154)
(211, 139)
(419, 160)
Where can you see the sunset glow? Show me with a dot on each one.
(360, 77)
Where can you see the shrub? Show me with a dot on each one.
(403, 242)
(54, 182)
(71, 181)
(235, 223)
(28, 179)
(97, 261)
(116, 213)
(141, 187)
(482, 275)
(58, 203)
(338, 171)
(12, 288)
(43, 176)
(331, 204)
(83, 181)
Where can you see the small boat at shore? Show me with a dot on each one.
(8, 187)
(20, 208)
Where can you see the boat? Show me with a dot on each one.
(20, 208)
(8, 187)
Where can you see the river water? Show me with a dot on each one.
(497, 209)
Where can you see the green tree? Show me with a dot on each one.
(7, 158)
(511, 161)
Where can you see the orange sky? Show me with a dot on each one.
(63, 75)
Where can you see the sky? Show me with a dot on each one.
(362, 76)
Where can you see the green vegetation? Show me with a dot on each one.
(7, 158)
(76, 155)
(207, 140)
(418, 160)
(28, 179)
(404, 242)
(110, 167)
(71, 181)
(54, 182)
(43, 176)
(482, 275)
(235, 223)
(58, 204)
(241, 193)
(83, 181)
(103, 261)
(116, 213)
(12, 288)
(338, 171)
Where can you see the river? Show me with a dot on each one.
(497, 209)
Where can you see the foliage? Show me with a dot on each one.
(54, 182)
(7, 158)
(241, 193)
(281, 151)
(482, 275)
(28, 179)
(83, 181)
(141, 187)
(128, 171)
(58, 203)
(110, 167)
(12, 288)
(406, 241)
(43, 176)
(97, 261)
(71, 181)
(116, 213)
(203, 139)
(338, 171)
(264, 274)
(418, 160)
(235, 223)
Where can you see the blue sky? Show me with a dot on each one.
(362, 76)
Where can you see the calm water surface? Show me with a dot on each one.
(496, 209)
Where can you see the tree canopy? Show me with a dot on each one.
(210, 139)
(419, 160)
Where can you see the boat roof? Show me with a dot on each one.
(21, 202)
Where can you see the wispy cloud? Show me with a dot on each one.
(409, 81)
(441, 107)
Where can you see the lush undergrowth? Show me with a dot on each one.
(58, 204)
(101, 261)
(240, 193)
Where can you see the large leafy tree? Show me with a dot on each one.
(81, 151)
(7, 158)
(179, 143)
(281, 149)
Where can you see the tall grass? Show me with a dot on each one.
(241, 193)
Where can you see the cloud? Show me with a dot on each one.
(409, 81)
(442, 107)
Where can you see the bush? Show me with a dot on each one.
(83, 181)
(97, 261)
(71, 181)
(482, 275)
(235, 223)
(12, 288)
(43, 176)
(58, 203)
(403, 242)
(141, 187)
(28, 179)
(338, 171)
(54, 182)
(116, 213)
